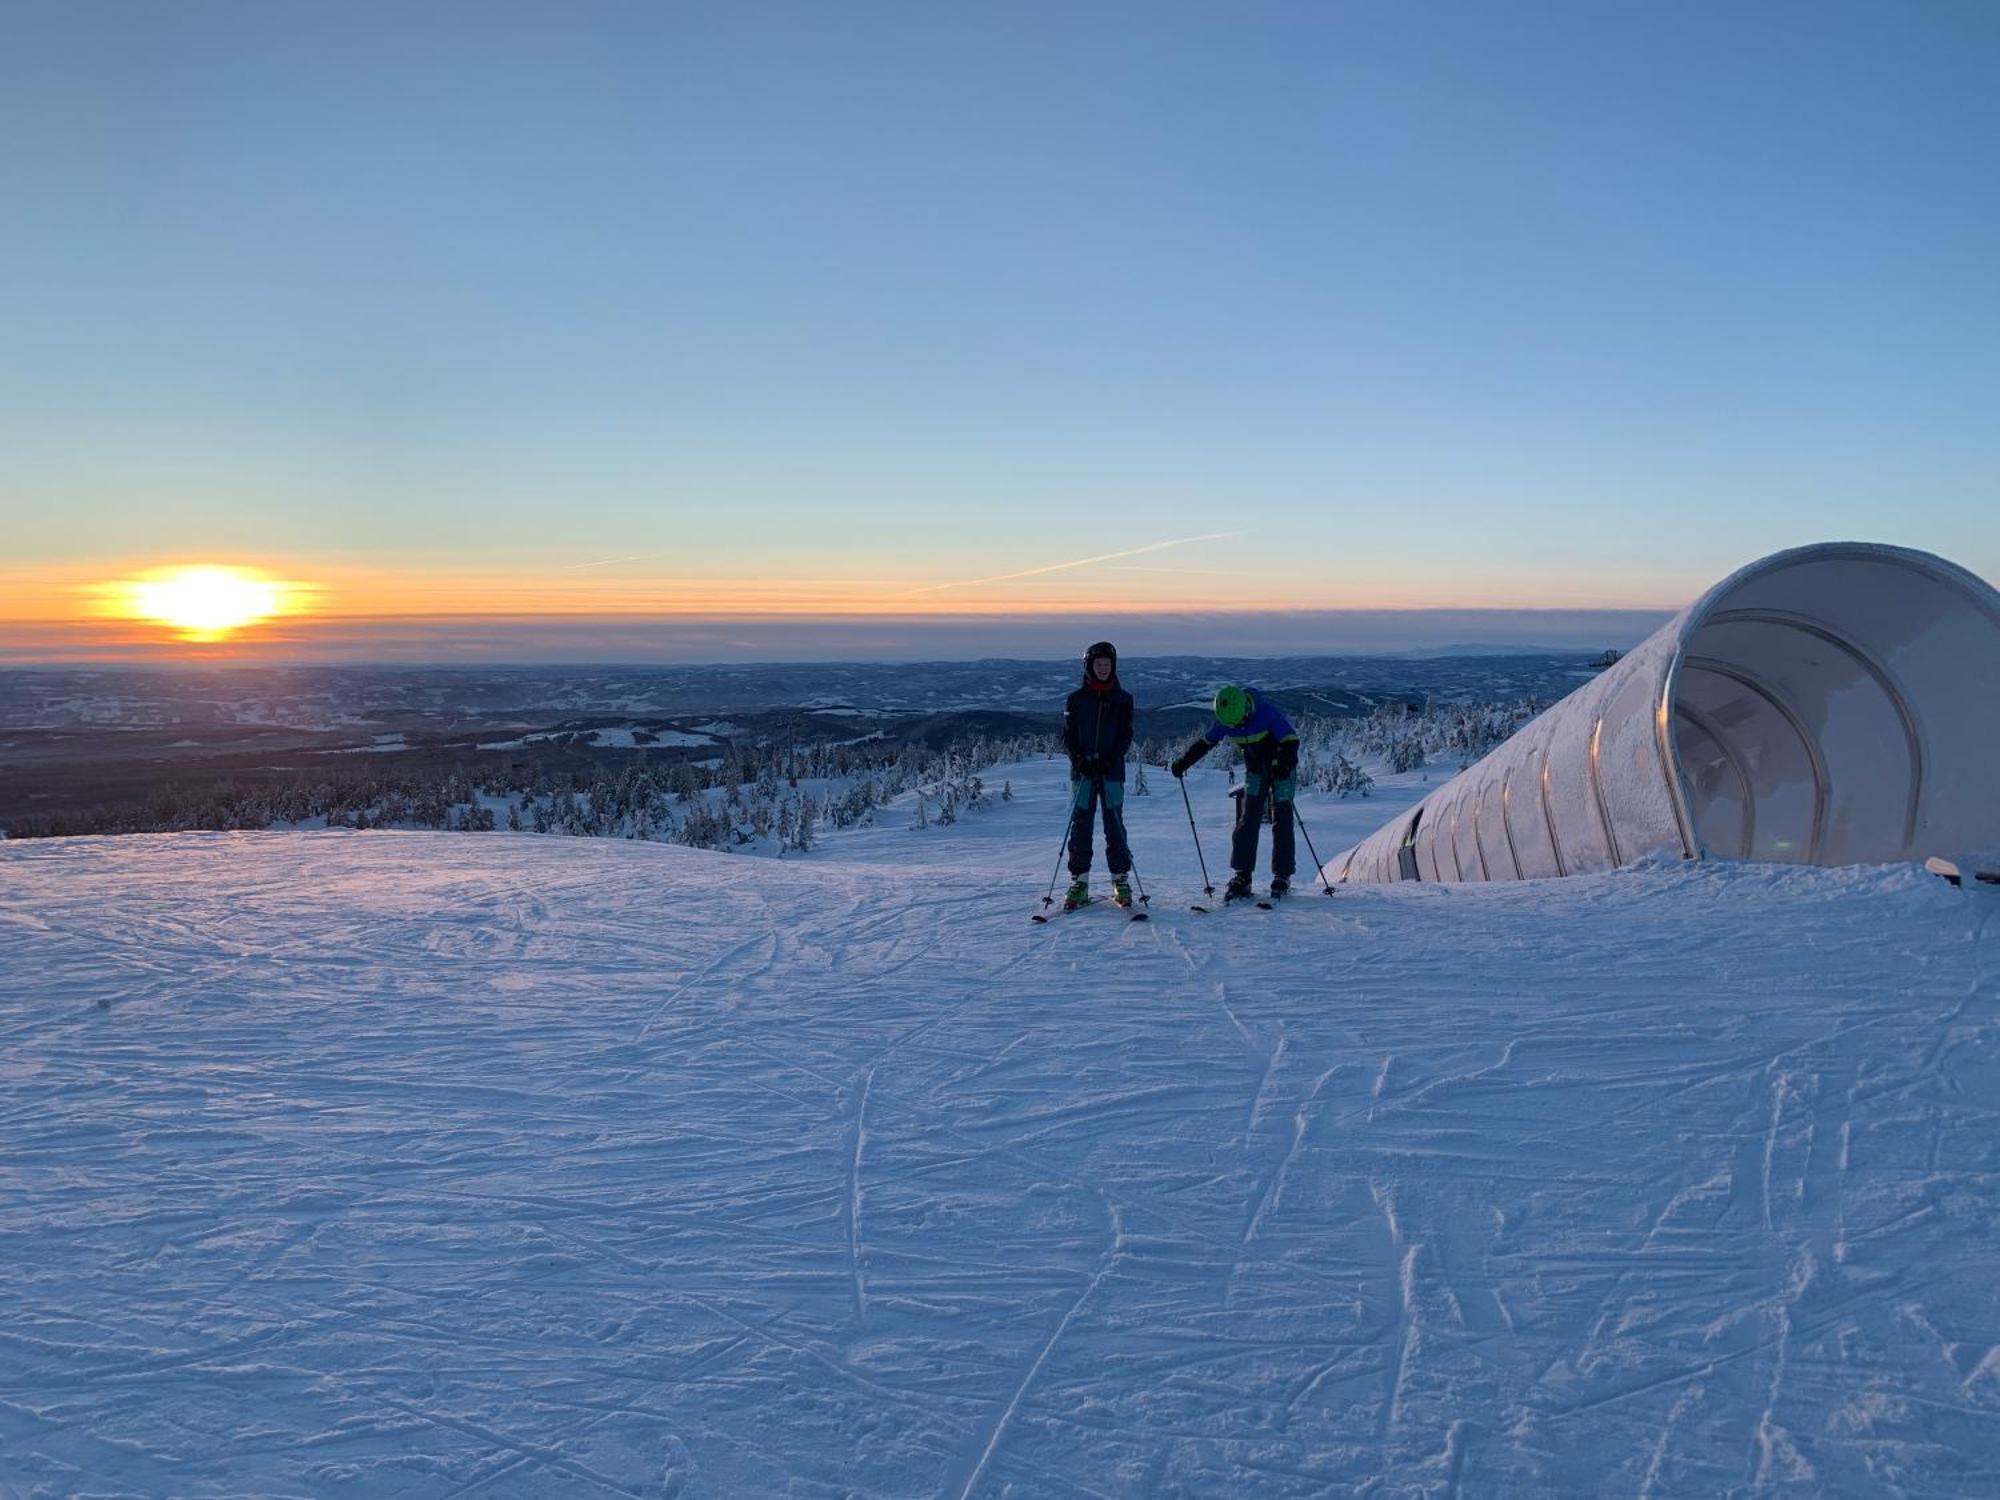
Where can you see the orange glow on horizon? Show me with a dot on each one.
(214, 608)
(202, 603)
(196, 610)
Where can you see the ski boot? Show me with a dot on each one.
(1279, 886)
(1121, 892)
(1079, 893)
(1238, 887)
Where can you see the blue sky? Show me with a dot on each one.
(1415, 305)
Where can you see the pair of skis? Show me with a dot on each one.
(1266, 903)
(1263, 903)
(1049, 897)
(1132, 912)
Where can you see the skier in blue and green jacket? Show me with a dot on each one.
(1270, 746)
(1097, 732)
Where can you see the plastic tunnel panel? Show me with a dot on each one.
(1427, 868)
(1494, 843)
(1527, 825)
(1576, 798)
(1636, 783)
(1835, 704)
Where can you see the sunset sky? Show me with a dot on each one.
(672, 331)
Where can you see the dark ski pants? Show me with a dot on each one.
(1086, 796)
(1270, 783)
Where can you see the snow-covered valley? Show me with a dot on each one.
(442, 1165)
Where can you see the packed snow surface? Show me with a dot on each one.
(456, 1165)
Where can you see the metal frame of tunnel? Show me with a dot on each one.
(1744, 678)
(1884, 679)
(1706, 727)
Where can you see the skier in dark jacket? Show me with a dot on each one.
(1270, 777)
(1097, 731)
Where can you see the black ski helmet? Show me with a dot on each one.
(1097, 649)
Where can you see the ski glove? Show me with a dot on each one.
(1180, 766)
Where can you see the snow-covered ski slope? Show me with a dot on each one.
(455, 1165)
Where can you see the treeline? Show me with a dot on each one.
(1400, 737)
(771, 798)
(752, 795)
(1450, 735)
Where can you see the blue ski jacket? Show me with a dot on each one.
(1265, 721)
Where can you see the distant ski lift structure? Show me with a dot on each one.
(1832, 705)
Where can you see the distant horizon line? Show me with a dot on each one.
(542, 641)
(898, 617)
(1426, 653)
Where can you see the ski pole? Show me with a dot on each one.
(1049, 896)
(1144, 899)
(1207, 886)
(1312, 851)
(1137, 879)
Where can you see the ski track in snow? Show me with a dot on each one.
(426, 1165)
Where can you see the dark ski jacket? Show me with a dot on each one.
(1097, 726)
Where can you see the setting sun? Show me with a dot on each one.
(207, 602)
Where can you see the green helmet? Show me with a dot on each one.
(1232, 705)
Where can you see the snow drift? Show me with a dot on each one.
(1831, 705)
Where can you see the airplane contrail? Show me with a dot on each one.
(608, 561)
(1081, 562)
